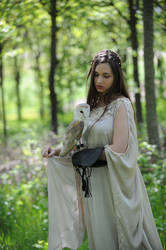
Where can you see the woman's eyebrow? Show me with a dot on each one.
(104, 72)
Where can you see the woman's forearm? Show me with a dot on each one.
(115, 148)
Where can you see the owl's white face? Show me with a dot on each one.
(82, 111)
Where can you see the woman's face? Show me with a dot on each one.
(103, 77)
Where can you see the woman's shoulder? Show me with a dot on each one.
(128, 106)
(116, 104)
(119, 100)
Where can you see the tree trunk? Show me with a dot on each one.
(161, 71)
(134, 42)
(2, 96)
(151, 114)
(40, 81)
(17, 79)
(123, 55)
(53, 98)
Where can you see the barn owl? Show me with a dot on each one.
(74, 130)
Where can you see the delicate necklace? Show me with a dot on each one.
(99, 101)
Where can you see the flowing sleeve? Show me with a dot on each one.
(126, 189)
(65, 209)
(134, 219)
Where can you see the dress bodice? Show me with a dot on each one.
(99, 132)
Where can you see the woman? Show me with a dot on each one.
(118, 216)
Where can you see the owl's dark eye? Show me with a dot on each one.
(81, 111)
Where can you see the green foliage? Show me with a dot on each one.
(153, 167)
(161, 107)
(66, 118)
(24, 216)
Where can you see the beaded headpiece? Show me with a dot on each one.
(107, 56)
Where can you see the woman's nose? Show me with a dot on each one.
(99, 79)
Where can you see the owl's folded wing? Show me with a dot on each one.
(73, 133)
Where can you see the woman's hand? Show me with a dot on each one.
(102, 156)
(48, 152)
(74, 148)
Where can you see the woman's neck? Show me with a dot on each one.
(100, 104)
(100, 101)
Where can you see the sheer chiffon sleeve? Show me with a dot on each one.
(120, 130)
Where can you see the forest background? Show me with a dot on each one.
(46, 47)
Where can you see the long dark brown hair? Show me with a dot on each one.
(118, 87)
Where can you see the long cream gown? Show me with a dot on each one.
(118, 216)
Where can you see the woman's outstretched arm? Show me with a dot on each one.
(120, 132)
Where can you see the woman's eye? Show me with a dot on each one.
(106, 76)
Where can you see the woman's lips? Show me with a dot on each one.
(99, 87)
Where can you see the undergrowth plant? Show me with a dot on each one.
(152, 164)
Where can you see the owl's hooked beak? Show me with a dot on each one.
(82, 113)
